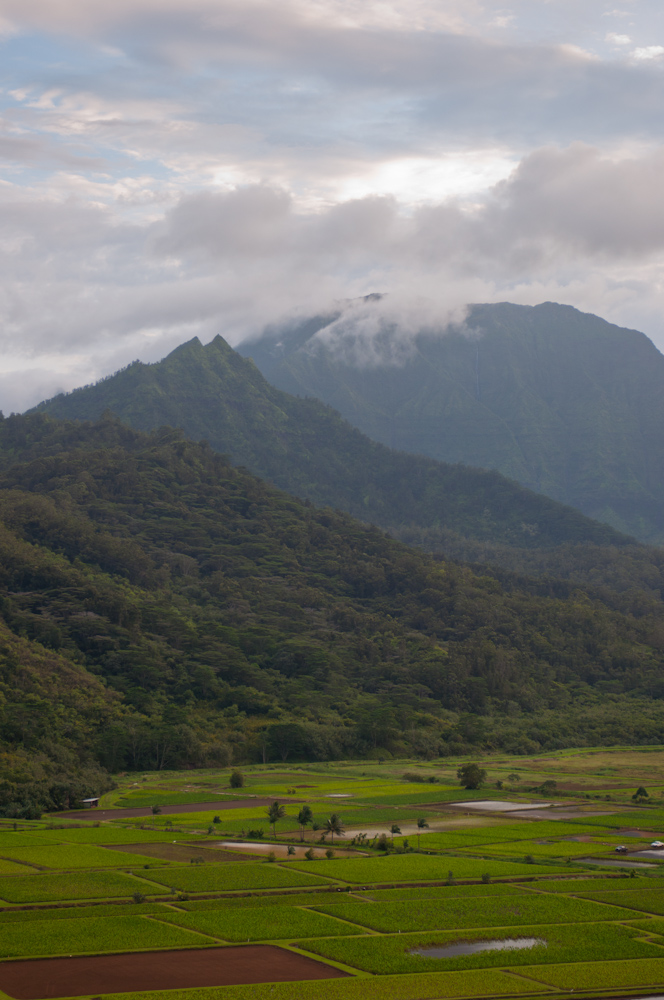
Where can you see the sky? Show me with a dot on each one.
(181, 168)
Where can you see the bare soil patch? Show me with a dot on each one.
(46, 978)
(99, 814)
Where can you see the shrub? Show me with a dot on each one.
(236, 780)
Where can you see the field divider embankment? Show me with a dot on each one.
(342, 920)
(191, 930)
(350, 969)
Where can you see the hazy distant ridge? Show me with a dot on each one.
(559, 400)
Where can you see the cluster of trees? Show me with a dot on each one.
(160, 608)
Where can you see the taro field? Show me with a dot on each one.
(483, 897)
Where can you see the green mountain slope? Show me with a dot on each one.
(206, 616)
(559, 400)
(304, 447)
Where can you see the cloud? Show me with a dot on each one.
(171, 168)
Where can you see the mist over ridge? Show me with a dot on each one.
(559, 400)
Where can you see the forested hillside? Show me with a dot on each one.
(559, 400)
(304, 447)
(192, 614)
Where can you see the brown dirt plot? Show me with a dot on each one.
(46, 978)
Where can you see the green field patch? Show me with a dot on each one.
(416, 868)
(601, 975)
(649, 900)
(652, 926)
(426, 986)
(640, 819)
(554, 849)
(250, 902)
(262, 923)
(110, 835)
(47, 887)
(78, 912)
(75, 856)
(10, 839)
(474, 911)
(578, 886)
(92, 936)
(411, 795)
(442, 892)
(230, 877)
(383, 955)
(144, 799)
(14, 868)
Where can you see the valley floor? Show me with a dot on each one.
(180, 888)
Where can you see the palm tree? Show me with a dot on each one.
(305, 817)
(421, 825)
(334, 825)
(275, 812)
(394, 829)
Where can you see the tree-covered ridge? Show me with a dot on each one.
(558, 400)
(219, 619)
(304, 447)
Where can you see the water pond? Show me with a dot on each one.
(473, 947)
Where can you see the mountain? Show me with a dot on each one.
(162, 608)
(561, 401)
(304, 447)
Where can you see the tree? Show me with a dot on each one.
(287, 739)
(394, 829)
(471, 775)
(421, 825)
(304, 818)
(640, 794)
(334, 825)
(236, 780)
(275, 812)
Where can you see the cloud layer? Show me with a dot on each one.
(170, 169)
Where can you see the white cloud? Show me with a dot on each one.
(648, 52)
(180, 167)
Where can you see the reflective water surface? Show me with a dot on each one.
(472, 947)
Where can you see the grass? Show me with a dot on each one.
(389, 955)
(47, 888)
(262, 924)
(601, 975)
(583, 885)
(77, 912)
(73, 856)
(503, 911)
(428, 986)
(441, 892)
(145, 799)
(10, 839)
(649, 900)
(230, 877)
(556, 849)
(93, 936)
(13, 868)
(244, 902)
(416, 868)
(110, 835)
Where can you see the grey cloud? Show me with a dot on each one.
(557, 202)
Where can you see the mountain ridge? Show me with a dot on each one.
(561, 401)
(304, 447)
